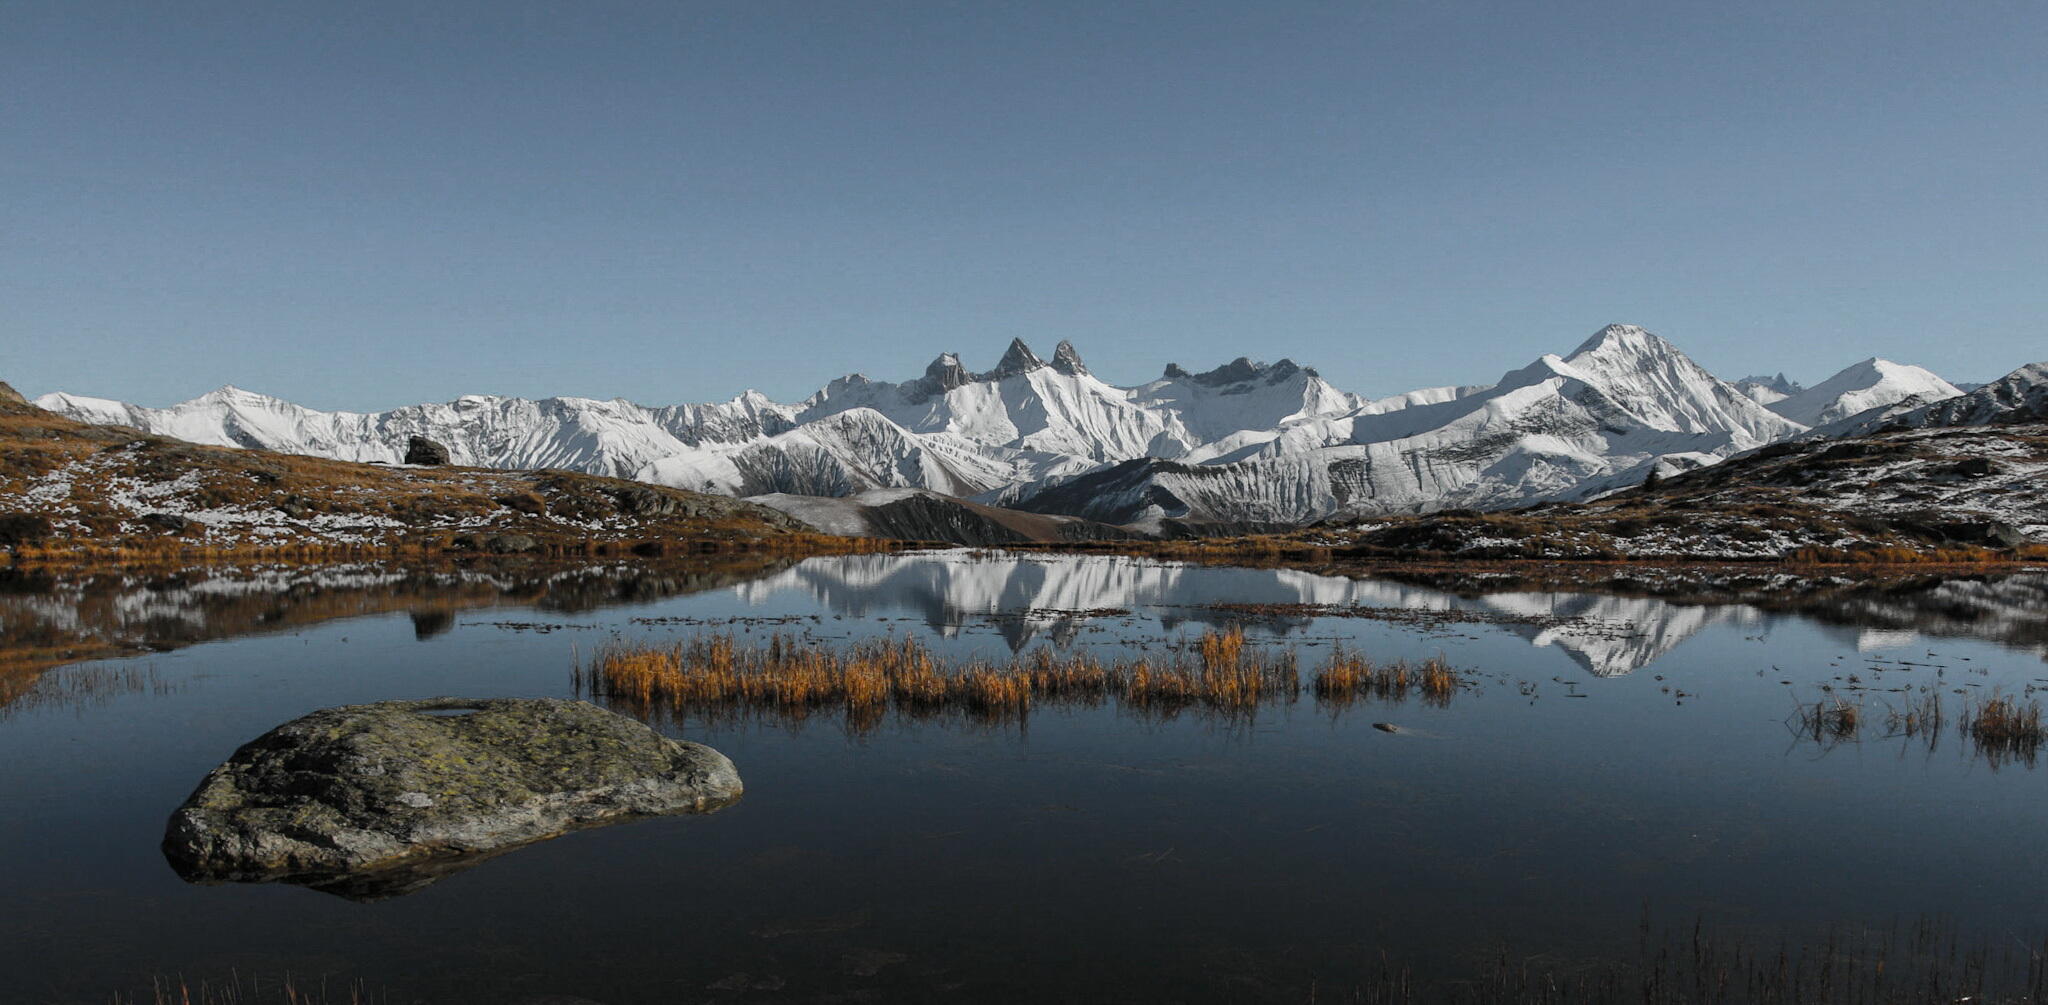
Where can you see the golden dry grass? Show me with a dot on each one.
(1349, 675)
(792, 677)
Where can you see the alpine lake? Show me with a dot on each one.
(1627, 790)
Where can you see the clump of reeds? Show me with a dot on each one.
(2004, 728)
(1349, 675)
(1831, 719)
(793, 677)
(81, 687)
(1922, 718)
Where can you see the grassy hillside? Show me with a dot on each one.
(75, 492)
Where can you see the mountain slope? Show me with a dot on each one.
(72, 491)
(1562, 427)
(1245, 443)
(1873, 383)
(2020, 396)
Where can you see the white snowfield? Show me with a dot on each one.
(1873, 383)
(1244, 442)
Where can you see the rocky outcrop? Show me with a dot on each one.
(10, 396)
(1066, 359)
(1017, 361)
(420, 450)
(368, 801)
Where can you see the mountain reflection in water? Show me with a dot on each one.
(1608, 635)
(47, 620)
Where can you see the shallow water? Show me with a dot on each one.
(1610, 753)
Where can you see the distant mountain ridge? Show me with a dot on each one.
(1244, 442)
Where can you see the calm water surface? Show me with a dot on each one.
(1612, 753)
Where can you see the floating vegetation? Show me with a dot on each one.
(1220, 672)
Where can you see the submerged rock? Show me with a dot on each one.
(369, 801)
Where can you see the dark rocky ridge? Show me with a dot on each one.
(1238, 371)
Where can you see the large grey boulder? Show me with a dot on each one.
(420, 450)
(369, 801)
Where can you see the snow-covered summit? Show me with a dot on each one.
(1872, 383)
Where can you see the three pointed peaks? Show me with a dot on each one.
(946, 373)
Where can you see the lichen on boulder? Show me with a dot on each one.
(371, 800)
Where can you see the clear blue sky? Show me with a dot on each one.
(368, 205)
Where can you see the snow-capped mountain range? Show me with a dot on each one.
(1244, 442)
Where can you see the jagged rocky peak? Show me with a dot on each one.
(1782, 384)
(13, 397)
(945, 374)
(1066, 360)
(1019, 359)
(1238, 371)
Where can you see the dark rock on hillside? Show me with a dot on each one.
(368, 801)
(24, 528)
(647, 502)
(169, 523)
(420, 450)
(496, 544)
